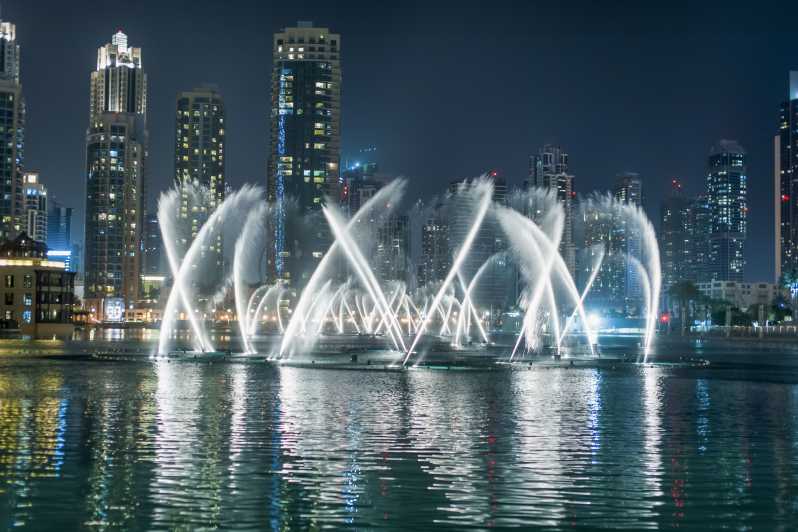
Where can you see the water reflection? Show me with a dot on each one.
(164, 445)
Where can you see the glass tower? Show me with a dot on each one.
(727, 192)
(304, 154)
(12, 135)
(786, 193)
(199, 173)
(116, 154)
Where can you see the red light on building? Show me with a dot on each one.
(785, 197)
(665, 318)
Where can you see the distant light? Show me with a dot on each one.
(59, 253)
(785, 197)
(594, 320)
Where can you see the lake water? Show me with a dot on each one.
(146, 445)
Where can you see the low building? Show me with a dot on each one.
(741, 295)
(38, 293)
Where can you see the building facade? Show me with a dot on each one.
(436, 259)
(393, 248)
(675, 240)
(727, 199)
(38, 293)
(742, 295)
(12, 134)
(35, 206)
(549, 169)
(116, 155)
(304, 155)
(786, 185)
(200, 175)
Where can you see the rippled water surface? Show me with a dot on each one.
(139, 445)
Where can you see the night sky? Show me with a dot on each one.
(442, 92)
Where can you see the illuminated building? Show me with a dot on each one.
(698, 228)
(304, 156)
(674, 237)
(153, 247)
(116, 154)
(59, 234)
(37, 292)
(549, 169)
(199, 167)
(35, 206)
(12, 134)
(629, 189)
(435, 258)
(493, 290)
(727, 192)
(786, 187)
(393, 247)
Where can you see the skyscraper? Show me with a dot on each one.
(549, 169)
(435, 257)
(305, 155)
(12, 134)
(393, 247)
(493, 289)
(699, 219)
(35, 207)
(629, 189)
(674, 236)
(153, 247)
(59, 226)
(199, 163)
(727, 192)
(786, 184)
(59, 234)
(116, 154)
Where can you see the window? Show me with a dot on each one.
(27, 316)
(9, 281)
(9, 298)
(9, 314)
(28, 299)
(27, 281)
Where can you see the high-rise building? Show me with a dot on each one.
(727, 192)
(699, 220)
(629, 189)
(35, 207)
(675, 240)
(549, 169)
(12, 134)
(393, 248)
(59, 226)
(199, 167)
(493, 288)
(59, 235)
(305, 155)
(153, 247)
(436, 259)
(116, 154)
(786, 184)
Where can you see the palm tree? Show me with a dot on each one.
(684, 292)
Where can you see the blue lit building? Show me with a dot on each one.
(304, 156)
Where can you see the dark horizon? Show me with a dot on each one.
(442, 94)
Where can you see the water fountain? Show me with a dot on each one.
(344, 298)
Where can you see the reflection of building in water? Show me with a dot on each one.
(32, 439)
(37, 293)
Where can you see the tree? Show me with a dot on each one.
(684, 293)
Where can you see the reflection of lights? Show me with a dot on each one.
(594, 320)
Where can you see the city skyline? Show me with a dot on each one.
(690, 117)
